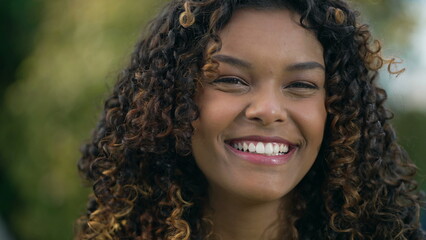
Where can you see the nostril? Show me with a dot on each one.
(266, 108)
(265, 117)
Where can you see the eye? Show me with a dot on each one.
(230, 80)
(231, 84)
(302, 85)
(301, 89)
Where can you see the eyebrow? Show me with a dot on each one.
(305, 66)
(232, 61)
(244, 64)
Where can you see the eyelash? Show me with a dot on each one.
(302, 85)
(230, 80)
(238, 81)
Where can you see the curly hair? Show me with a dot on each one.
(146, 184)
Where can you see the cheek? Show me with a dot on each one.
(311, 118)
(216, 112)
(213, 119)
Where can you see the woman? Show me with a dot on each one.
(244, 119)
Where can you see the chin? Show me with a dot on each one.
(261, 194)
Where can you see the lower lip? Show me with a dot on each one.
(262, 159)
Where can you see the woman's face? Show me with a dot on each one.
(262, 120)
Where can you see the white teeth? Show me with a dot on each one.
(285, 148)
(252, 148)
(260, 148)
(276, 149)
(245, 147)
(269, 149)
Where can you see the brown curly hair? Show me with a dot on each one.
(146, 184)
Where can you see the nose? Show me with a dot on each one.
(267, 107)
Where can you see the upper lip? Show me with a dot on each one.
(254, 138)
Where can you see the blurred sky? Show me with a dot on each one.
(408, 91)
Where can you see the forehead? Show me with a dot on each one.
(276, 30)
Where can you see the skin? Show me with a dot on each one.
(270, 84)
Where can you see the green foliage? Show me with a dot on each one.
(411, 129)
(49, 109)
(18, 22)
(392, 21)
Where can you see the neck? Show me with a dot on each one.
(235, 218)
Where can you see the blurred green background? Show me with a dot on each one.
(58, 61)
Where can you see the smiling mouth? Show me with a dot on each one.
(261, 148)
